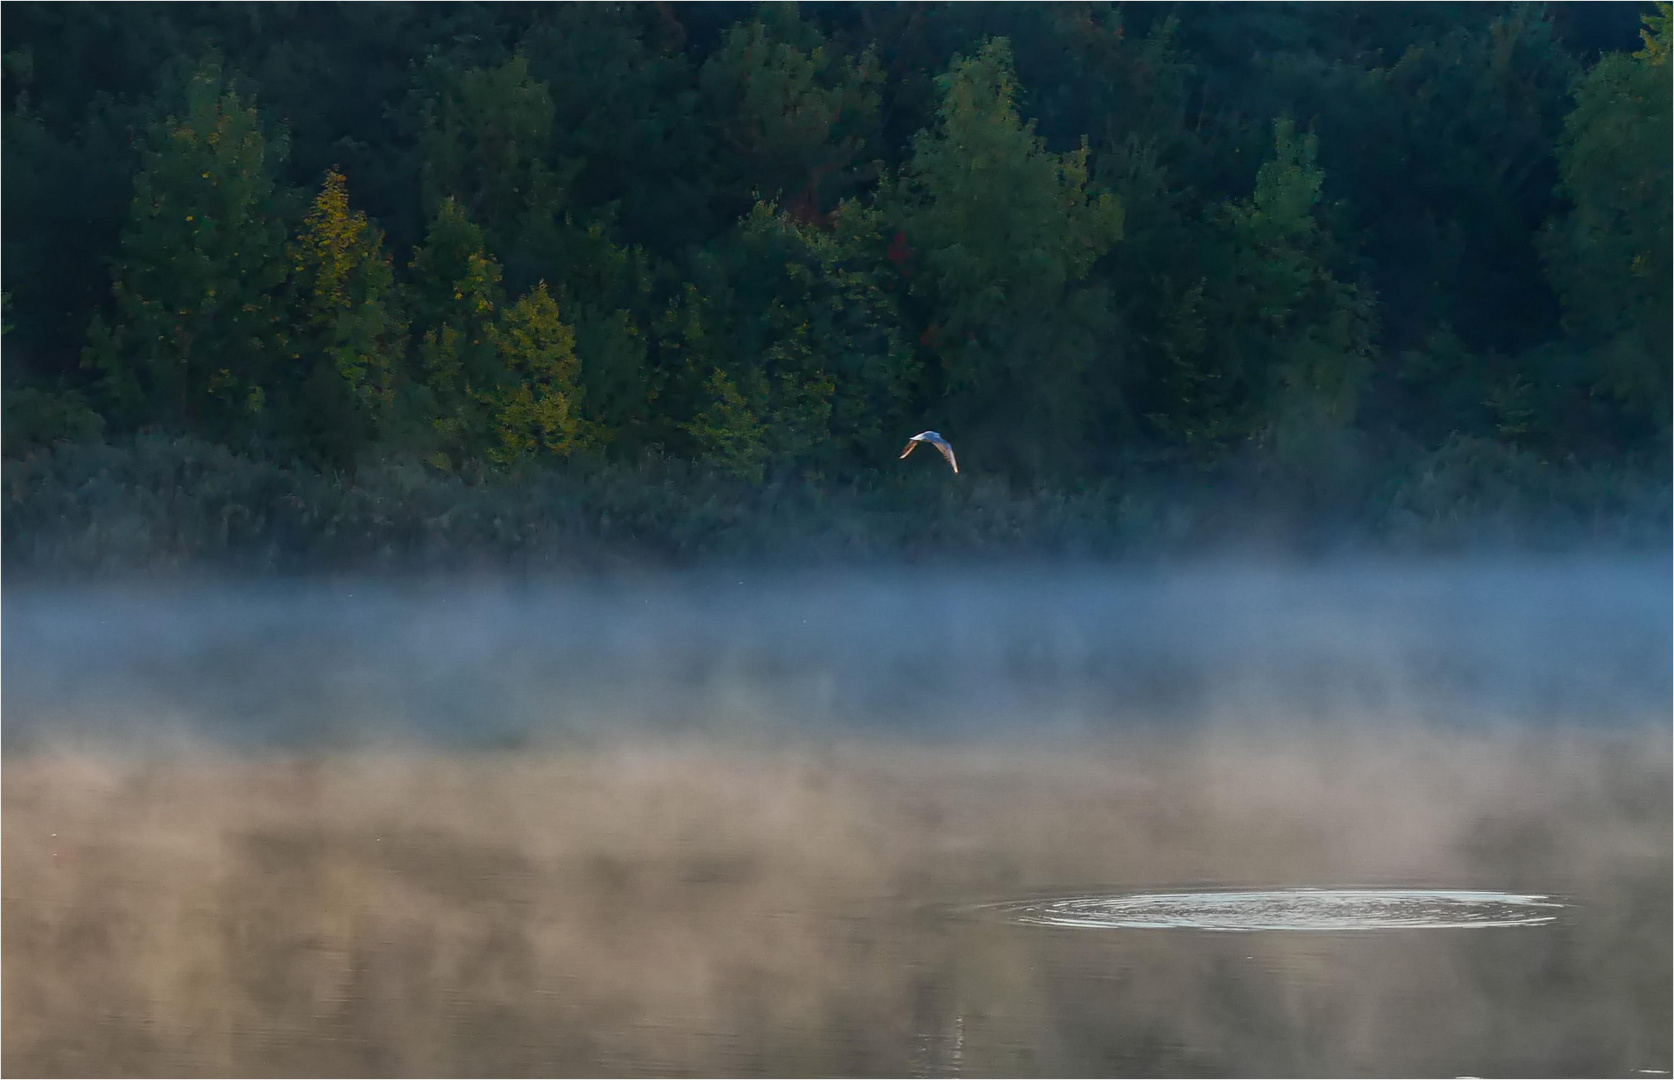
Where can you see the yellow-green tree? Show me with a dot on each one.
(535, 405)
(498, 382)
(730, 431)
(348, 335)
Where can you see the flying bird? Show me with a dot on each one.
(934, 440)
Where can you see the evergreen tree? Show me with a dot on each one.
(67, 195)
(607, 292)
(795, 117)
(628, 117)
(1003, 237)
(456, 296)
(1456, 178)
(196, 334)
(794, 348)
(487, 144)
(1610, 255)
(1315, 329)
(1271, 346)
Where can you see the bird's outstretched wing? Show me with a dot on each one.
(947, 451)
(912, 444)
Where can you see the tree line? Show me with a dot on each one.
(777, 240)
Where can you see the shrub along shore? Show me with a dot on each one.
(165, 506)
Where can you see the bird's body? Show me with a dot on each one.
(934, 440)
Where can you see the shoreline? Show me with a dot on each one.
(175, 507)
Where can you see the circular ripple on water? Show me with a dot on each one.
(1287, 909)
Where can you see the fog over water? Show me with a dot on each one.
(1049, 652)
(786, 824)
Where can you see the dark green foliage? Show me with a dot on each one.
(456, 298)
(627, 117)
(486, 146)
(36, 418)
(66, 195)
(1003, 236)
(196, 338)
(1610, 254)
(1277, 249)
(795, 118)
(793, 350)
(1271, 347)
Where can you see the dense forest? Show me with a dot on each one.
(1338, 255)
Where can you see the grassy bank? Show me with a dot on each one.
(160, 505)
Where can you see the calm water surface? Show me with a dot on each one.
(685, 827)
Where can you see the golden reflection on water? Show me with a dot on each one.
(725, 911)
